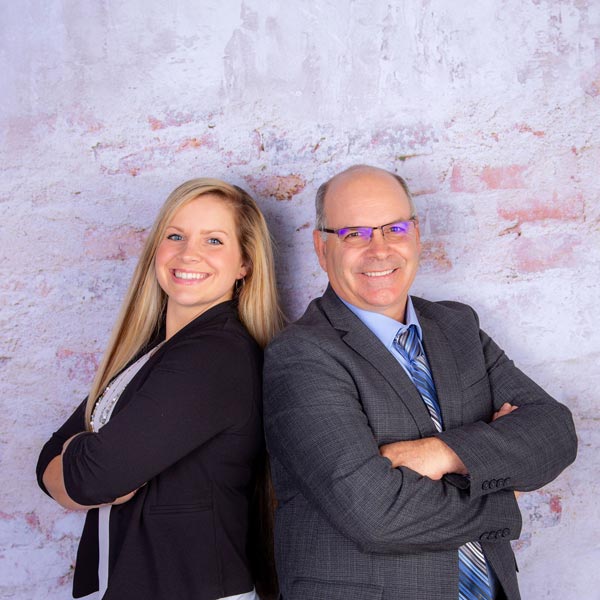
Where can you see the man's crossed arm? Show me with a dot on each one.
(430, 456)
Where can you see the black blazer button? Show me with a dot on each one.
(505, 532)
(500, 482)
(485, 485)
(492, 484)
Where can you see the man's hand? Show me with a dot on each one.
(429, 457)
(504, 410)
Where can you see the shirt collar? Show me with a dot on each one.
(385, 328)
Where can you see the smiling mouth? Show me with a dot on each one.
(378, 273)
(187, 276)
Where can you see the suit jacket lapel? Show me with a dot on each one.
(363, 341)
(443, 369)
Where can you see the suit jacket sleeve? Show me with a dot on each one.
(53, 447)
(317, 430)
(190, 396)
(523, 450)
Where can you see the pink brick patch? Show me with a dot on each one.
(544, 509)
(170, 119)
(81, 366)
(524, 128)
(503, 178)
(280, 187)
(159, 155)
(469, 178)
(540, 209)
(590, 81)
(541, 254)
(119, 243)
(434, 257)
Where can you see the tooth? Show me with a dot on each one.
(379, 273)
(182, 275)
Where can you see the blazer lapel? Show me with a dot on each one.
(444, 371)
(363, 341)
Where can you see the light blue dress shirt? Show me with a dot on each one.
(386, 329)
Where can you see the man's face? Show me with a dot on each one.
(375, 277)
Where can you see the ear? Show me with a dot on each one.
(320, 248)
(243, 271)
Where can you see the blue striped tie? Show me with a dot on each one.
(473, 580)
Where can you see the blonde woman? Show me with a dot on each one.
(166, 451)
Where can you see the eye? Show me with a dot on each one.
(175, 237)
(356, 234)
(398, 228)
(215, 242)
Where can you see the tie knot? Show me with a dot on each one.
(407, 342)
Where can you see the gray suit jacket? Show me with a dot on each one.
(351, 527)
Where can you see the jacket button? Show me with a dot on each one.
(484, 536)
(485, 485)
(507, 481)
(505, 532)
(500, 482)
(492, 484)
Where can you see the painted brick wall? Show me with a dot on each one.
(490, 109)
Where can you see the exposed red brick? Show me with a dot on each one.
(170, 119)
(434, 257)
(155, 123)
(191, 143)
(524, 128)
(555, 504)
(280, 187)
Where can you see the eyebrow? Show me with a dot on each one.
(201, 230)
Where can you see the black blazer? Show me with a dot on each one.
(188, 426)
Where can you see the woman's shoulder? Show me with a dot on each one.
(215, 337)
(220, 323)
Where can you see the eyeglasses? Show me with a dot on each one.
(398, 231)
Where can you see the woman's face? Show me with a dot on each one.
(198, 259)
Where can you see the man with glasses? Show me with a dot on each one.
(399, 432)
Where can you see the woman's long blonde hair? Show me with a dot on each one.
(144, 305)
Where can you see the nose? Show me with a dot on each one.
(378, 245)
(192, 251)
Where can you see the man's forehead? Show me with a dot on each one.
(364, 187)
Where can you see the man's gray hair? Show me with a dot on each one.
(320, 222)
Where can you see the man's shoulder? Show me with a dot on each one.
(446, 311)
(313, 325)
